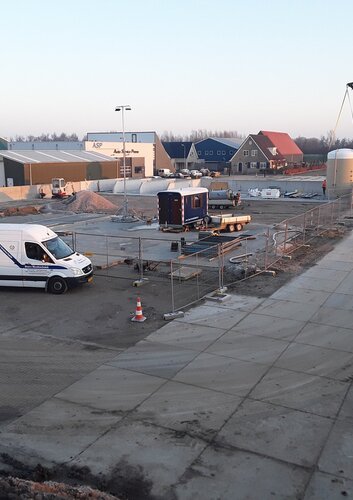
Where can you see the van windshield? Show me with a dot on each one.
(58, 248)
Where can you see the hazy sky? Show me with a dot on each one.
(181, 64)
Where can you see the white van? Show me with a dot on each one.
(34, 256)
(164, 172)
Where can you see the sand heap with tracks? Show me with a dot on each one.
(88, 202)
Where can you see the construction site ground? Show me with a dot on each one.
(50, 343)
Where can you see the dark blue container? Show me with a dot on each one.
(182, 207)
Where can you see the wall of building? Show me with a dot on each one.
(211, 150)
(19, 174)
(249, 159)
(142, 151)
(162, 159)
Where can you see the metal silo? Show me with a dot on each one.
(339, 172)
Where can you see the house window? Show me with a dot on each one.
(133, 137)
(246, 152)
(223, 153)
(218, 153)
(206, 153)
(263, 164)
(138, 170)
(253, 164)
(210, 152)
(199, 153)
(254, 152)
(195, 202)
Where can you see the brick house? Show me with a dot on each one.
(269, 151)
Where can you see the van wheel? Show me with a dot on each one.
(239, 226)
(57, 285)
(231, 228)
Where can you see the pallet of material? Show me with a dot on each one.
(186, 273)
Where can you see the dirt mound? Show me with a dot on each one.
(89, 202)
(27, 490)
(27, 210)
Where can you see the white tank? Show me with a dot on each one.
(340, 170)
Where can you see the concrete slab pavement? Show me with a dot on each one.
(250, 387)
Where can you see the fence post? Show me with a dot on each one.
(197, 276)
(318, 220)
(285, 239)
(332, 209)
(267, 235)
(304, 228)
(140, 259)
(172, 284)
(107, 251)
(220, 273)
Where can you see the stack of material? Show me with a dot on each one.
(209, 246)
(88, 202)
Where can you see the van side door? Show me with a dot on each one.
(37, 265)
(10, 266)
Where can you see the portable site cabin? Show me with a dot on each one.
(182, 207)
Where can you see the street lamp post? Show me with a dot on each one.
(183, 145)
(123, 108)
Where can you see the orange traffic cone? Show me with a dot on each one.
(138, 313)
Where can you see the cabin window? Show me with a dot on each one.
(36, 252)
(196, 202)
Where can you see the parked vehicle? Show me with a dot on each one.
(185, 172)
(58, 188)
(164, 172)
(195, 174)
(223, 198)
(34, 256)
(182, 208)
(228, 222)
(205, 171)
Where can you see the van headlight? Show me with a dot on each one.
(76, 271)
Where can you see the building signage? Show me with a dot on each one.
(127, 151)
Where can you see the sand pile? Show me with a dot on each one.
(27, 490)
(89, 202)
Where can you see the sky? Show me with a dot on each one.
(182, 65)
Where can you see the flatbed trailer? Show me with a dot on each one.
(228, 222)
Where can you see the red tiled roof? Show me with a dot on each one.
(284, 144)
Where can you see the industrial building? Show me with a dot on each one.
(144, 152)
(28, 167)
(216, 152)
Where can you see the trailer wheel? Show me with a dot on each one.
(57, 285)
(238, 226)
(212, 207)
(207, 220)
(221, 207)
(231, 228)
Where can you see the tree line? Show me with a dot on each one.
(309, 145)
(46, 138)
(199, 135)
